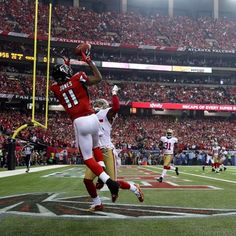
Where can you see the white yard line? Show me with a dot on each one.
(22, 171)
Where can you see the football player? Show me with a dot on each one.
(168, 145)
(71, 91)
(27, 151)
(208, 161)
(223, 157)
(106, 116)
(216, 157)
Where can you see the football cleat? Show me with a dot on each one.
(114, 189)
(96, 208)
(139, 193)
(177, 170)
(160, 179)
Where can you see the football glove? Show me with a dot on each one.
(86, 58)
(115, 90)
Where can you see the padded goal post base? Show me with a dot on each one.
(11, 154)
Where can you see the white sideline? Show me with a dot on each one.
(22, 171)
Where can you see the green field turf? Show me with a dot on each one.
(67, 182)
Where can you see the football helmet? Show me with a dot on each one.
(169, 133)
(61, 73)
(99, 104)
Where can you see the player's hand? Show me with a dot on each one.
(115, 90)
(86, 58)
(66, 60)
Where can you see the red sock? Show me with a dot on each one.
(167, 167)
(98, 154)
(94, 166)
(123, 184)
(90, 188)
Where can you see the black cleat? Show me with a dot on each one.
(160, 179)
(203, 168)
(225, 168)
(114, 189)
(177, 170)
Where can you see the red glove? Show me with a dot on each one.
(66, 61)
(86, 58)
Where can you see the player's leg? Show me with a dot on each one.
(111, 169)
(217, 164)
(86, 128)
(166, 167)
(27, 162)
(91, 188)
(222, 166)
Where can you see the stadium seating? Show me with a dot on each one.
(111, 27)
(190, 132)
(131, 91)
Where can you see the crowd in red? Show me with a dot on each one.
(190, 132)
(128, 130)
(131, 91)
(127, 28)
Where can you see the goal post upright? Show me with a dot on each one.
(11, 142)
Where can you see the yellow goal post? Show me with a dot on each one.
(34, 122)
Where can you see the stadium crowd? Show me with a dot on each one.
(126, 28)
(131, 91)
(128, 130)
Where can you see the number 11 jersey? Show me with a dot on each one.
(73, 96)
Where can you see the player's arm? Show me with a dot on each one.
(176, 149)
(115, 104)
(96, 77)
(161, 145)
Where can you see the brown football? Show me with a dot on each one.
(83, 47)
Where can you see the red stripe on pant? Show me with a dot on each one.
(94, 166)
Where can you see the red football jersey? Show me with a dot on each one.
(73, 96)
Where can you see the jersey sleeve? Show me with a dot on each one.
(162, 139)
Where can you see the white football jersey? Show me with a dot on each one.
(168, 144)
(215, 150)
(105, 129)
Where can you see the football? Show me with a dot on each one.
(83, 47)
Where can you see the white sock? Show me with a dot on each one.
(163, 173)
(104, 177)
(97, 201)
(133, 188)
(172, 167)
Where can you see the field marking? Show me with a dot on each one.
(66, 173)
(9, 173)
(206, 177)
(143, 211)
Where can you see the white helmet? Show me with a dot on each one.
(169, 133)
(99, 104)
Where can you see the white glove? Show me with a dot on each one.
(115, 89)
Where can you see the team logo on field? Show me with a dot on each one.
(48, 204)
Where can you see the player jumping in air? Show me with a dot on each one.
(168, 145)
(106, 116)
(71, 91)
